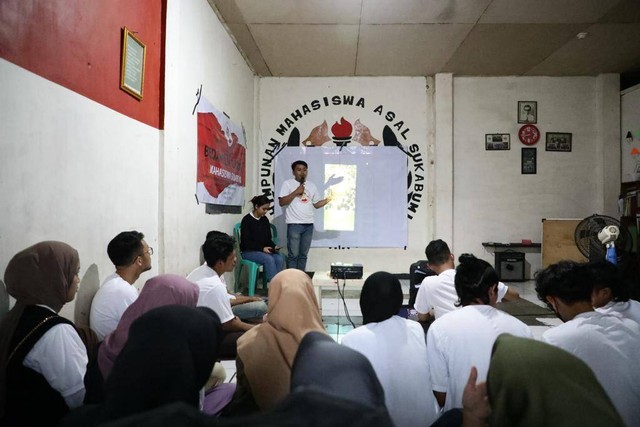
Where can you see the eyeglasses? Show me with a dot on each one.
(149, 251)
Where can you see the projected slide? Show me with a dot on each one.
(368, 191)
(340, 214)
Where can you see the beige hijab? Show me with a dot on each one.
(267, 350)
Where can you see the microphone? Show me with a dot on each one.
(302, 180)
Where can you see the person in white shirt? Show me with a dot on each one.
(43, 360)
(437, 294)
(463, 338)
(300, 197)
(131, 256)
(248, 309)
(609, 344)
(397, 350)
(220, 256)
(610, 292)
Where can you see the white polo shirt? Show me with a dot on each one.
(464, 338)
(300, 210)
(610, 346)
(112, 299)
(213, 292)
(439, 293)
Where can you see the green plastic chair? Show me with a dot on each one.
(253, 268)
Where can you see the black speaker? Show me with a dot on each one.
(510, 266)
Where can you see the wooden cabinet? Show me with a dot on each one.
(629, 205)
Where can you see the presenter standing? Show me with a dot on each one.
(300, 198)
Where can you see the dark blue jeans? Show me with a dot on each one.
(298, 243)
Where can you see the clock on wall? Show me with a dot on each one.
(529, 134)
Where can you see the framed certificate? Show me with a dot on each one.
(132, 64)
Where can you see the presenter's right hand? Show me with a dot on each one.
(300, 190)
(266, 250)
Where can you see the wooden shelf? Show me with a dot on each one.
(511, 245)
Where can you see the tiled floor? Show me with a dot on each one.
(337, 323)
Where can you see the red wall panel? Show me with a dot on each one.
(78, 43)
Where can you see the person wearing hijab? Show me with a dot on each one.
(531, 383)
(266, 352)
(350, 395)
(167, 358)
(42, 358)
(397, 349)
(165, 289)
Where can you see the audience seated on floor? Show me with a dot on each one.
(463, 338)
(611, 293)
(397, 349)
(159, 291)
(220, 257)
(167, 358)
(131, 256)
(531, 383)
(350, 396)
(266, 352)
(42, 358)
(247, 309)
(607, 343)
(256, 242)
(437, 294)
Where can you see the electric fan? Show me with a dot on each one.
(595, 247)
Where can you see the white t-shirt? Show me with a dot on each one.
(439, 293)
(213, 292)
(610, 346)
(464, 338)
(112, 299)
(300, 210)
(398, 352)
(627, 309)
(61, 358)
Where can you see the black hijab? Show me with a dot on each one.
(381, 297)
(168, 358)
(331, 386)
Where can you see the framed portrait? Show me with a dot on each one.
(497, 141)
(529, 161)
(132, 64)
(528, 112)
(558, 141)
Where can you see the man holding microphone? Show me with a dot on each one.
(300, 197)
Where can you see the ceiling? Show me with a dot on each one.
(307, 38)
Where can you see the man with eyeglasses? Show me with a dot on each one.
(131, 256)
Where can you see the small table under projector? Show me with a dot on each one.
(324, 280)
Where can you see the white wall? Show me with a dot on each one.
(72, 170)
(407, 97)
(198, 51)
(492, 200)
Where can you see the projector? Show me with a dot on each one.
(340, 270)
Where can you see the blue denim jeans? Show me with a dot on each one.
(298, 243)
(250, 310)
(272, 263)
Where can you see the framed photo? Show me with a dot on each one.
(528, 112)
(529, 165)
(497, 141)
(132, 64)
(558, 141)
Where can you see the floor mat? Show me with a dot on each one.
(526, 311)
